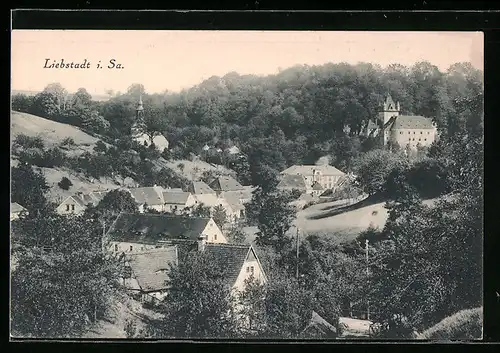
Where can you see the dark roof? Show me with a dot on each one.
(231, 255)
(175, 197)
(225, 183)
(292, 181)
(146, 267)
(412, 122)
(199, 187)
(145, 227)
(317, 186)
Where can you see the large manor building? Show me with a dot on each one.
(407, 131)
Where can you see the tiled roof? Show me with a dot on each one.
(412, 122)
(232, 255)
(146, 267)
(307, 170)
(243, 195)
(175, 197)
(199, 187)
(144, 227)
(149, 195)
(225, 183)
(209, 200)
(15, 207)
(292, 181)
(234, 201)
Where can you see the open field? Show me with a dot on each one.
(52, 133)
(330, 217)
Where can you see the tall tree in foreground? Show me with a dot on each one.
(199, 303)
(28, 188)
(60, 290)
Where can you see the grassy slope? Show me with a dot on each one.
(463, 325)
(53, 133)
(346, 225)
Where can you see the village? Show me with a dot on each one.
(332, 201)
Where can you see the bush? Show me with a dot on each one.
(68, 141)
(65, 183)
(466, 324)
(100, 147)
(29, 141)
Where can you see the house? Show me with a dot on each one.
(206, 148)
(318, 328)
(355, 327)
(326, 176)
(175, 201)
(77, 203)
(15, 210)
(143, 231)
(148, 197)
(232, 150)
(225, 183)
(290, 182)
(145, 273)
(405, 131)
(200, 188)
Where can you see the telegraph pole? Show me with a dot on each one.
(297, 254)
(367, 274)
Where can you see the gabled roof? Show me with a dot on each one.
(308, 170)
(412, 122)
(175, 197)
(317, 186)
(234, 201)
(149, 228)
(199, 187)
(243, 195)
(149, 195)
(319, 327)
(209, 200)
(15, 207)
(225, 183)
(292, 181)
(151, 268)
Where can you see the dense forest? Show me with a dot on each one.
(294, 117)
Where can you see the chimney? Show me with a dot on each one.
(201, 242)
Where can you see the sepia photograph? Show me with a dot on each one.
(249, 185)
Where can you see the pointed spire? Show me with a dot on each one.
(140, 108)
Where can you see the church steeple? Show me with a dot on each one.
(140, 109)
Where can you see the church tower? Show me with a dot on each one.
(389, 110)
(140, 109)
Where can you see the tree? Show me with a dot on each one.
(59, 92)
(219, 215)
(46, 105)
(236, 235)
(94, 122)
(72, 281)
(153, 124)
(279, 309)
(22, 102)
(28, 188)
(65, 183)
(116, 201)
(199, 303)
(100, 147)
(81, 99)
(274, 215)
(373, 168)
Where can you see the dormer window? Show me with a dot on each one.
(131, 248)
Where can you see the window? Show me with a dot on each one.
(72, 207)
(409, 132)
(131, 247)
(116, 247)
(215, 236)
(425, 139)
(413, 139)
(428, 132)
(142, 247)
(420, 139)
(252, 270)
(248, 269)
(401, 132)
(413, 132)
(67, 207)
(421, 132)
